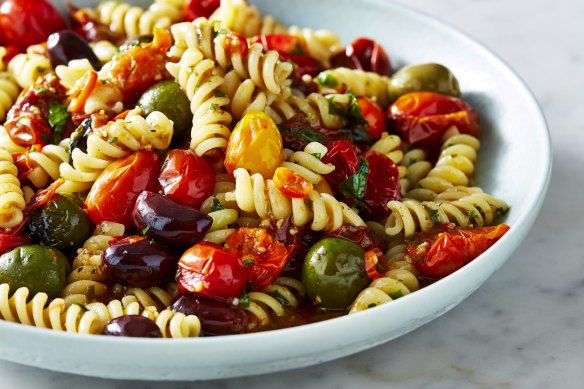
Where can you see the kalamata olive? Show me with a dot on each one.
(169, 222)
(59, 223)
(428, 77)
(63, 46)
(38, 268)
(138, 262)
(134, 326)
(168, 97)
(334, 273)
(217, 317)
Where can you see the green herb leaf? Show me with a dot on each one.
(355, 116)
(248, 261)
(113, 140)
(354, 186)
(41, 89)
(58, 117)
(83, 307)
(244, 300)
(336, 108)
(434, 216)
(213, 107)
(327, 79)
(219, 94)
(317, 155)
(216, 206)
(145, 230)
(396, 295)
(371, 305)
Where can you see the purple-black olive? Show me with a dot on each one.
(135, 326)
(169, 222)
(141, 263)
(63, 46)
(217, 317)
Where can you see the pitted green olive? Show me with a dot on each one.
(168, 98)
(333, 273)
(38, 268)
(429, 77)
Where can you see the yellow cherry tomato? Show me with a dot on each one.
(255, 144)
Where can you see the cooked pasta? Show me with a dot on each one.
(9, 91)
(12, 201)
(329, 111)
(153, 296)
(104, 50)
(71, 73)
(244, 95)
(359, 82)
(27, 68)
(116, 140)
(307, 163)
(417, 167)
(46, 163)
(275, 299)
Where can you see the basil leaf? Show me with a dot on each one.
(58, 117)
(355, 116)
(354, 186)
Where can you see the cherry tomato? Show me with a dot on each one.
(255, 144)
(368, 55)
(382, 185)
(375, 263)
(263, 257)
(422, 118)
(291, 184)
(342, 154)
(194, 9)
(236, 43)
(297, 133)
(443, 253)
(84, 24)
(113, 195)
(363, 236)
(27, 22)
(305, 64)
(16, 237)
(44, 196)
(374, 116)
(186, 178)
(284, 44)
(208, 269)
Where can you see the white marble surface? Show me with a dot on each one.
(525, 327)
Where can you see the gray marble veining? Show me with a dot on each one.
(524, 328)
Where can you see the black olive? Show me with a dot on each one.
(63, 46)
(135, 326)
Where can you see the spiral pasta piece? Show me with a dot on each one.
(284, 293)
(264, 69)
(115, 140)
(307, 163)
(71, 73)
(104, 50)
(411, 216)
(153, 296)
(47, 162)
(416, 167)
(244, 95)
(260, 196)
(199, 79)
(359, 82)
(12, 202)
(86, 281)
(455, 167)
(9, 91)
(27, 68)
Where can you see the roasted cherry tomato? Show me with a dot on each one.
(421, 118)
(305, 65)
(26, 22)
(375, 263)
(83, 22)
(199, 8)
(263, 257)
(255, 144)
(291, 184)
(342, 154)
(208, 269)
(374, 116)
(441, 254)
(114, 193)
(16, 237)
(382, 185)
(186, 178)
(284, 44)
(368, 55)
(297, 133)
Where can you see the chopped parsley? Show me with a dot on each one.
(145, 230)
(327, 79)
(219, 94)
(113, 140)
(216, 206)
(244, 300)
(58, 118)
(248, 261)
(434, 216)
(396, 295)
(213, 107)
(317, 155)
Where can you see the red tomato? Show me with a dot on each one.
(291, 184)
(443, 253)
(208, 269)
(342, 154)
(27, 22)
(186, 178)
(374, 116)
(263, 257)
(375, 263)
(422, 118)
(114, 193)
(236, 43)
(362, 236)
(199, 8)
(382, 185)
(44, 196)
(305, 64)
(368, 55)
(13, 239)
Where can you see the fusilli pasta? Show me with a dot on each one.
(27, 68)
(9, 91)
(285, 292)
(359, 82)
(12, 201)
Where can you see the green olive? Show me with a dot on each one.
(59, 223)
(38, 268)
(429, 77)
(168, 98)
(333, 273)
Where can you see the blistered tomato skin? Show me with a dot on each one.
(374, 116)
(291, 184)
(199, 8)
(255, 144)
(186, 178)
(113, 195)
(168, 222)
(138, 262)
(134, 326)
(422, 118)
(208, 269)
(217, 317)
(368, 55)
(342, 154)
(382, 185)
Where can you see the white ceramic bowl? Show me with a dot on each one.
(514, 164)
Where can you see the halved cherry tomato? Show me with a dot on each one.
(27, 22)
(16, 237)
(382, 185)
(114, 193)
(44, 196)
(374, 116)
(199, 8)
(291, 184)
(284, 44)
(208, 269)
(443, 253)
(368, 55)
(422, 118)
(305, 64)
(255, 144)
(342, 154)
(263, 257)
(375, 263)
(236, 43)
(186, 178)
